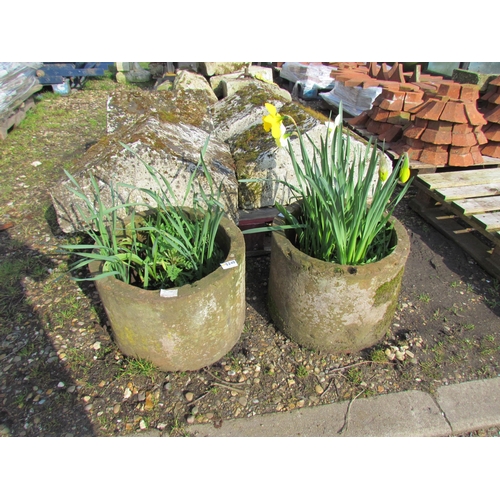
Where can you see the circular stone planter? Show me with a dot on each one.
(330, 307)
(187, 332)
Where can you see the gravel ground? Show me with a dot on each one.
(62, 375)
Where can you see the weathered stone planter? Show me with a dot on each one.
(187, 332)
(330, 307)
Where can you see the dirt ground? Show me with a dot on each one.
(62, 375)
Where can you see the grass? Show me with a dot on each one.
(140, 367)
(424, 297)
(302, 371)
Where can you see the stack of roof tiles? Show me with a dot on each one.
(446, 129)
(492, 115)
(436, 121)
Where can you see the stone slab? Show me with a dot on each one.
(405, 414)
(471, 405)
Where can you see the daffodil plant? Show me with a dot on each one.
(345, 206)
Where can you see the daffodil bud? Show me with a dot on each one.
(383, 170)
(404, 173)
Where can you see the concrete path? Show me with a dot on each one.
(455, 409)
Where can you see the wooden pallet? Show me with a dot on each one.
(15, 118)
(462, 205)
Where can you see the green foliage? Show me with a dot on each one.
(337, 222)
(164, 244)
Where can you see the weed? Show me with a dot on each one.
(429, 369)
(355, 376)
(424, 297)
(302, 371)
(455, 284)
(378, 356)
(469, 326)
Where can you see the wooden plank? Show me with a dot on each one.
(478, 205)
(474, 191)
(490, 221)
(460, 178)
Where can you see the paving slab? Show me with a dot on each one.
(471, 405)
(405, 414)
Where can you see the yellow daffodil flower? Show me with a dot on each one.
(274, 122)
(404, 173)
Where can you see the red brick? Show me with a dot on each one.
(431, 110)
(368, 83)
(414, 96)
(378, 100)
(449, 89)
(454, 111)
(480, 136)
(464, 140)
(389, 85)
(414, 154)
(372, 126)
(491, 149)
(436, 136)
(436, 148)
(495, 81)
(434, 158)
(379, 115)
(415, 143)
(419, 122)
(393, 95)
(440, 125)
(359, 120)
(460, 159)
(462, 128)
(414, 132)
(491, 92)
(409, 87)
(492, 132)
(495, 98)
(354, 82)
(398, 117)
(383, 127)
(391, 105)
(474, 116)
(392, 134)
(469, 92)
(493, 115)
(412, 100)
(476, 155)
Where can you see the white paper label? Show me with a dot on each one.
(171, 292)
(229, 264)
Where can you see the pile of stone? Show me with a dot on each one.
(168, 128)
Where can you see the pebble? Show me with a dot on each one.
(61, 384)
(116, 408)
(189, 397)
(71, 389)
(190, 419)
(96, 346)
(142, 425)
(195, 410)
(319, 389)
(127, 393)
(243, 401)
